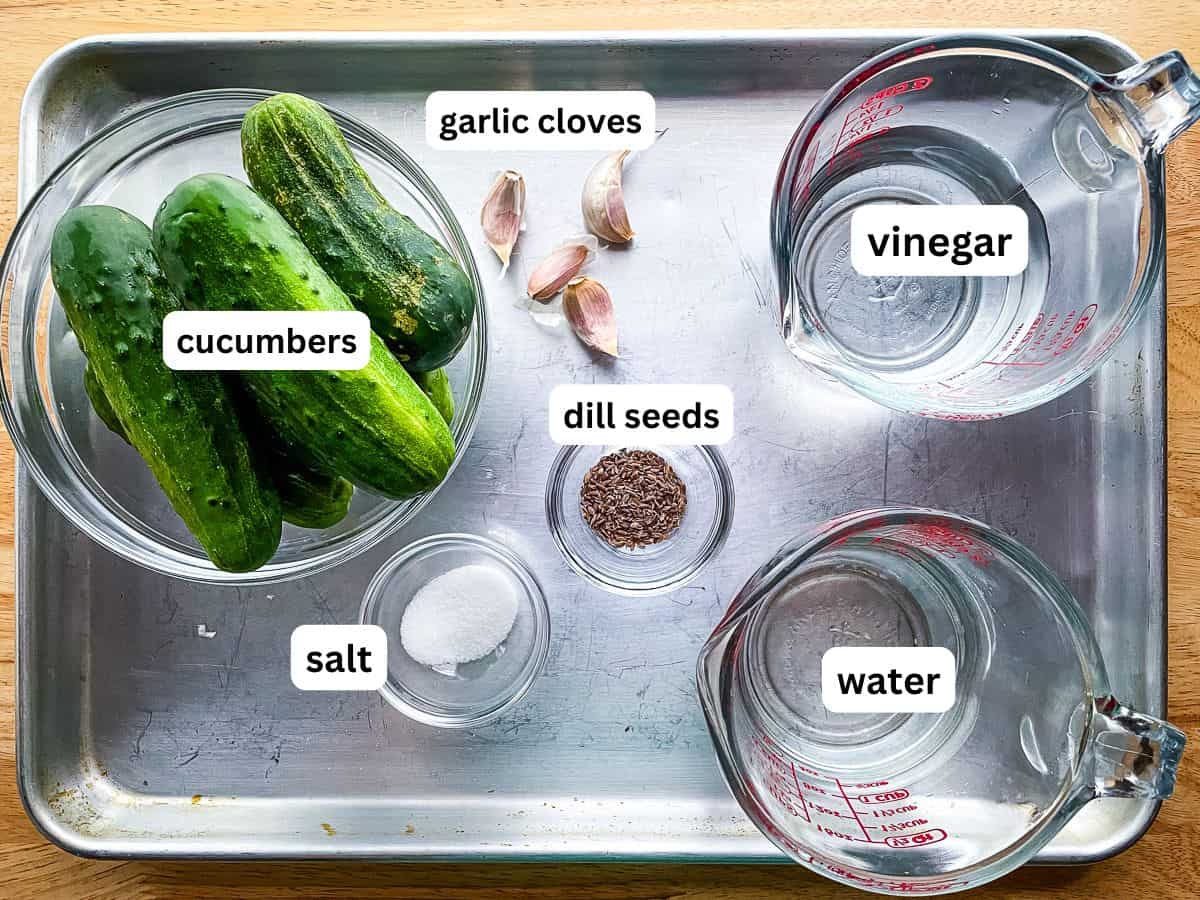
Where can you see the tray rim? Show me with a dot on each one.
(75, 842)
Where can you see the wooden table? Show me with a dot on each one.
(1164, 864)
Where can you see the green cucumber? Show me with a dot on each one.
(308, 498)
(436, 386)
(312, 499)
(418, 298)
(225, 248)
(100, 404)
(183, 424)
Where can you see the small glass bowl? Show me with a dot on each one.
(91, 476)
(661, 567)
(479, 691)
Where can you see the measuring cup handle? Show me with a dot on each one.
(1159, 98)
(1135, 755)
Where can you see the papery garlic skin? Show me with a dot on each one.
(588, 307)
(501, 215)
(561, 265)
(603, 200)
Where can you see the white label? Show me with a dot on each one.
(339, 657)
(539, 120)
(663, 414)
(909, 239)
(887, 679)
(211, 341)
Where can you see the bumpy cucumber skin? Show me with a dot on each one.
(308, 498)
(418, 298)
(100, 404)
(182, 423)
(436, 386)
(224, 247)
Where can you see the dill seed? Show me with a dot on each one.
(632, 499)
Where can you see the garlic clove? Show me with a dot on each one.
(604, 200)
(560, 266)
(588, 307)
(501, 216)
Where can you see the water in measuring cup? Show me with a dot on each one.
(858, 596)
(945, 790)
(909, 328)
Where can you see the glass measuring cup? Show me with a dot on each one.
(975, 119)
(920, 803)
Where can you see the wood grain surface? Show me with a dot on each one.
(1164, 864)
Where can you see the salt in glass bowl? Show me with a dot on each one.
(478, 691)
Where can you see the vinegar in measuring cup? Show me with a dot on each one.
(910, 327)
(985, 126)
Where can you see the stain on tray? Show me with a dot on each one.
(328, 829)
(196, 798)
(73, 808)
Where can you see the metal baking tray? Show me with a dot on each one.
(138, 737)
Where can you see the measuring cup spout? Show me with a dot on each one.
(1156, 100)
(1135, 755)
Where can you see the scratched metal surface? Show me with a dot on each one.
(137, 736)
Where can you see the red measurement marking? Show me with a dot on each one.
(800, 794)
(901, 87)
(892, 827)
(829, 812)
(804, 176)
(786, 786)
(840, 835)
(946, 541)
(1085, 319)
(894, 811)
(878, 67)
(853, 811)
(864, 121)
(921, 839)
(1044, 339)
(885, 797)
(860, 123)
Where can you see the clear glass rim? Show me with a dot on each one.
(374, 595)
(161, 557)
(963, 43)
(713, 542)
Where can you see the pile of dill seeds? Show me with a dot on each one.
(632, 499)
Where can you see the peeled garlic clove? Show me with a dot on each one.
(502, 213)
(604, 200)
(563, 264)
(589, 309)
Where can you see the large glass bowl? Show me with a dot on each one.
(92, 477)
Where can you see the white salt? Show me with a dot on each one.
(458, 617)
